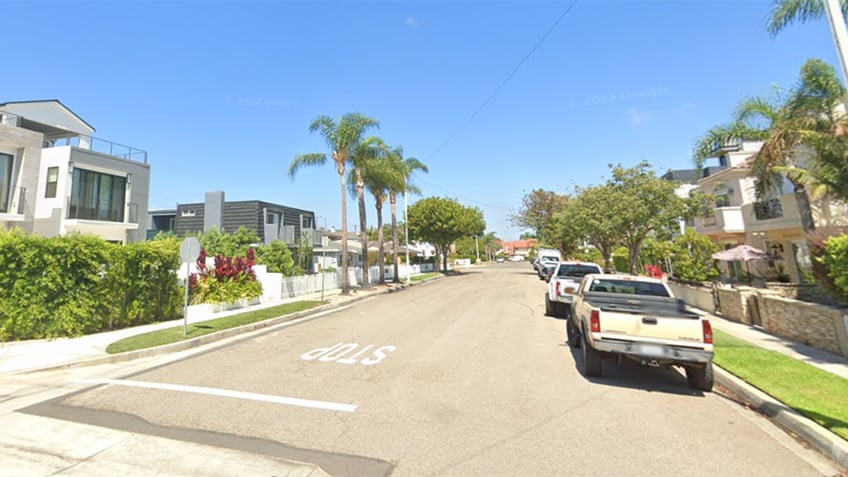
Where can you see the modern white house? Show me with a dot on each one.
(772, 225)
(56, 178)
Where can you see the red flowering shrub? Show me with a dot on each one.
(654, 271)
(231, 279)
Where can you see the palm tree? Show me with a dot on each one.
(785, 12)
(369, 150)
(377, 175)
(342, 138)
(403, 170)
(807, 117)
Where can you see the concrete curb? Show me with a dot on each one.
(210, 338)
(825, 441)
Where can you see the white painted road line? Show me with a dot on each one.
(290, 401)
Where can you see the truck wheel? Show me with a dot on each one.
(572, 333)
(700, 377)
(591, 359)
(549, 309)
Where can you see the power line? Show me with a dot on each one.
(505, 81)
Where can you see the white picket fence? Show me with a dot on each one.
(277, 287)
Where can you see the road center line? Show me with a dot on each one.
(290, 401)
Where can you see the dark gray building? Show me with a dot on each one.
(269, 221)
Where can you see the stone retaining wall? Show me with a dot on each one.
(820, 326)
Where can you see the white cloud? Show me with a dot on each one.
(637, 117)
(412, 22)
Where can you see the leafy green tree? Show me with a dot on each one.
(342, 138)
(441, 221)
(592, 215)
(691, 257)
(537, 211)
(228, 244)
(276, 256)
(648, 206)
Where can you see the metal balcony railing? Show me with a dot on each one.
(104, 146)
(85, 142)
(768, 209)
(12, 200)
(83, 208)
(10, 119)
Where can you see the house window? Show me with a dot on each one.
(5, 181)
(305, 222)
(187, 213)
(97, 196)
(52, 181)
(271, 218)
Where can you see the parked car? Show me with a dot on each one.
(546, 271)
(500, 260)
(563, 285)
(639, 318)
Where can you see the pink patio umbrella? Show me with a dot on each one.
(744, 253)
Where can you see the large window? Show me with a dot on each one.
(5, 181)
(52, 181)
(97, 196)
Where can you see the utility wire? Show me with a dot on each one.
(489, 99)
(505, 81)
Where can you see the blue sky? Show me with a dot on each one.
(221, 93)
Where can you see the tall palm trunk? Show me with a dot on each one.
(345, 286)
(363, 233)
(393, 202)
(808, 223)
(381, 258)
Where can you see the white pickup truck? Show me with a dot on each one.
(624, 316)
(563, 284)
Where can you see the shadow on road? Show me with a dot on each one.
(632, 375)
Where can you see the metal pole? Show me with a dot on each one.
(406, 234)
(324, 258)
(839, 32)
(185, 310)
(477, 246)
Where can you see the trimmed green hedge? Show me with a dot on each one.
(77, 284)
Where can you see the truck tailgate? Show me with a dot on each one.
(633, 326)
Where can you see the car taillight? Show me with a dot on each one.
(708, 331)
(595, 321)
(558, 290)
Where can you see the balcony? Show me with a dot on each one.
(103, 146)
(772, 214)
(101, 211)
(56, 137)
(723, 220)
(769, 209)
(12, 201)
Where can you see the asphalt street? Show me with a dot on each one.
(461, 376)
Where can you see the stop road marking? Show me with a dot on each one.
(339, 353)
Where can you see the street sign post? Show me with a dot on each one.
(189, 251)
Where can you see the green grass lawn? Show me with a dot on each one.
(424, 276)
(175, 334)
(819, 395)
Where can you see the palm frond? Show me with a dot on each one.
(326, 127)
(786, 12)
(757, 113)
(305, 160)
